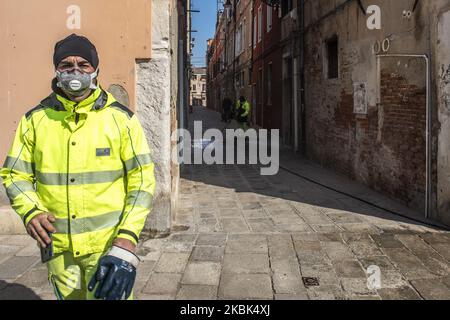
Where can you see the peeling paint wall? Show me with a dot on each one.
(157, 91)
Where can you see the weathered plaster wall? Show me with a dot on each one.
(384, 147)
(442, 69)
(154, 110)
(177, 14)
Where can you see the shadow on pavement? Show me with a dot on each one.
(14, 291)
(247, 179)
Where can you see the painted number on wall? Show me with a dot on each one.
(74, 18)
(374, 19)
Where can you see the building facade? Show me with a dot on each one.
(216, 64)
(143, 60)
(360, 88)
(267, 66)
(242, 57)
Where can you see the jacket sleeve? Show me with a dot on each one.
(18, 174)
(140, 181)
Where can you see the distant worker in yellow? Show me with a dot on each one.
(243, 112)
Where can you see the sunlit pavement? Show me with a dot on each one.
(240, 235)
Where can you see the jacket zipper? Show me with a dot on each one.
(77, 117)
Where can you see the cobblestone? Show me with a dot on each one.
(197, 292)
(245, 286)
(202, 273)
(402, 293)
(246, 263)
(207, 253)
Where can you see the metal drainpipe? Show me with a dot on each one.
(302, 77)
(252, 53)
(226, 57)
(428, 126)
(234, 48)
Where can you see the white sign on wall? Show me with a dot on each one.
(360, 98)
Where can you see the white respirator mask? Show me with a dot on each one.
(76, 83)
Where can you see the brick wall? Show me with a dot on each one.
(385, 148)
(403, 132)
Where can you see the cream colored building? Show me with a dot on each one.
(198, 87)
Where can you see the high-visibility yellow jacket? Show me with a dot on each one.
(89, 164)
(247, 108)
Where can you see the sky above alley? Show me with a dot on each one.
(205, 24)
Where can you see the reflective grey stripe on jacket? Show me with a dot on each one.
(60, 179)
(88, 224)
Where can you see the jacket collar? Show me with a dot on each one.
(98, 100)
(82, 106)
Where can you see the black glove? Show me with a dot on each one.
(115, 275)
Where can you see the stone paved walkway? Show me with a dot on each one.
(240, 235)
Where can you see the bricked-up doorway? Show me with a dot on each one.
(400, 162)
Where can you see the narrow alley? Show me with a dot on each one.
(240, 235)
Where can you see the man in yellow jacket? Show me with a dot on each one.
(243, 110)
(80, 175)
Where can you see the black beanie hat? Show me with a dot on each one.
(75, 45)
